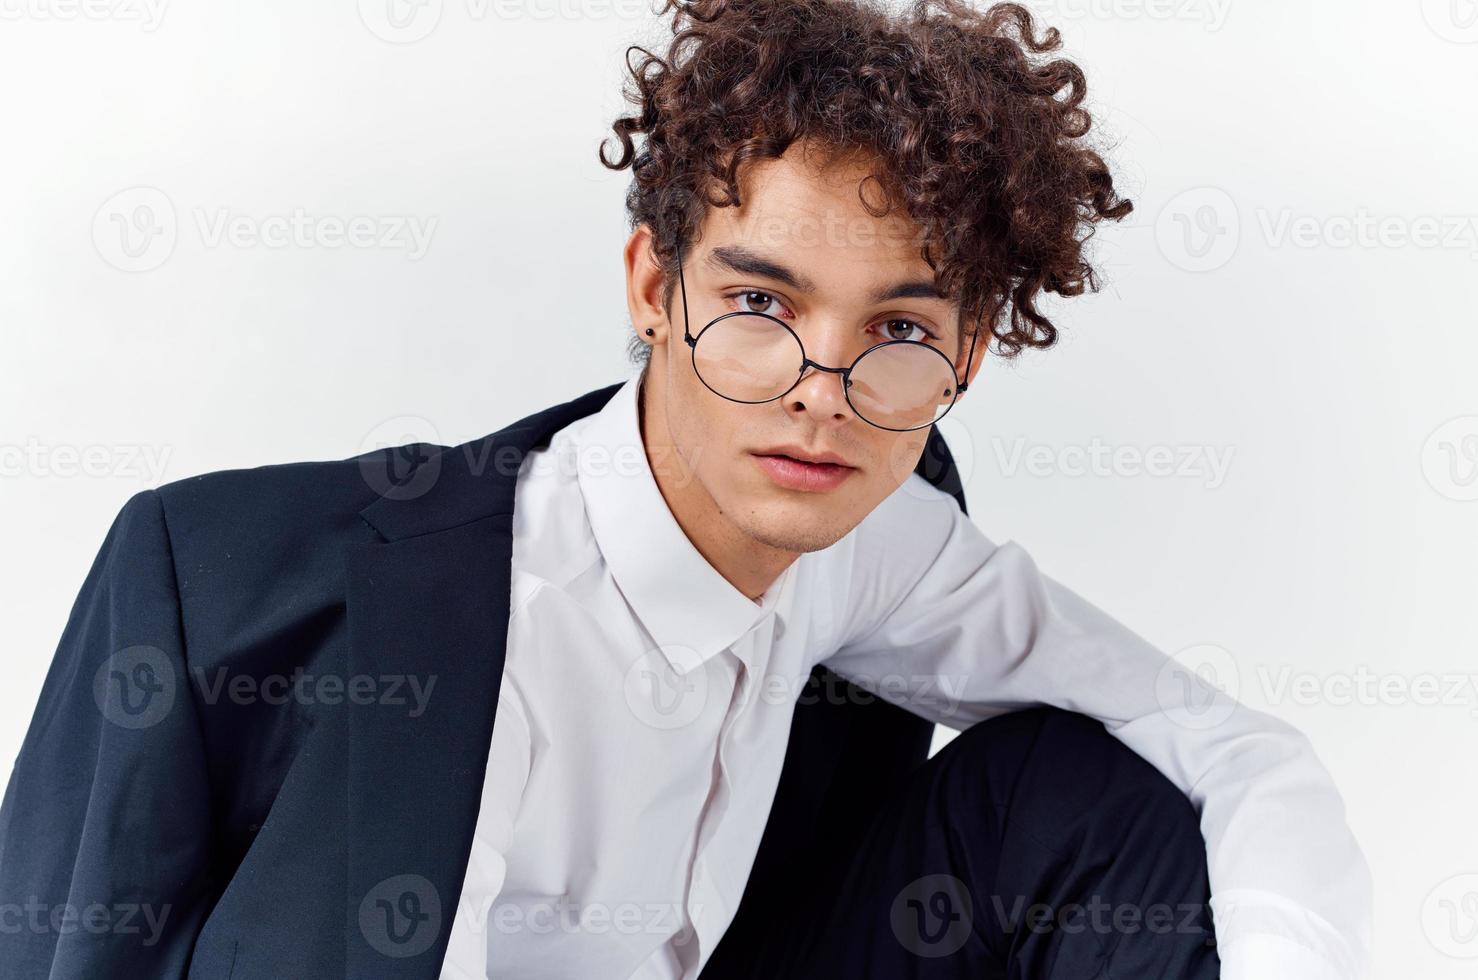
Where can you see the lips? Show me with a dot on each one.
(803, 455)
(815, 473)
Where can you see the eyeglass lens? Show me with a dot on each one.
(749, 357)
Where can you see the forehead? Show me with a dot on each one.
(809, 211)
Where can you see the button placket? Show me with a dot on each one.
(706, 906)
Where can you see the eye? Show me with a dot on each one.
(900, 329)
(755, 301)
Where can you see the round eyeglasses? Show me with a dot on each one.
(752, 358)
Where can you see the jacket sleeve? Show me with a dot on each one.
(972, 630)
(105, 823)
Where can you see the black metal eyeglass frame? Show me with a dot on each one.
(806, 362)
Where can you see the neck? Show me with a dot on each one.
(748, 565)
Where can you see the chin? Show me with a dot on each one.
(790, 538)
(798, 525)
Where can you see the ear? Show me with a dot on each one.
(644, 287)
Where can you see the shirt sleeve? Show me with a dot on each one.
(953, 627)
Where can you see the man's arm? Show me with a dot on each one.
(958, 629)
(105, 826)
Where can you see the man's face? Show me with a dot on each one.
(802, 248)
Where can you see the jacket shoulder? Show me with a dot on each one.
(280, 517)
(352, 482)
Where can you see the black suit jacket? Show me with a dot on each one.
(226, 777)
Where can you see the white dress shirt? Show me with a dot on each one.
(646, 704)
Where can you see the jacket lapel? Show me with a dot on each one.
(427, 608)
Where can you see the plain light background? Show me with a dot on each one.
(1293, 297)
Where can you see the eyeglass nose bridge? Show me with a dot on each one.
(845, 372)
(806, 362)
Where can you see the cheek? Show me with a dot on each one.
(902, 454)
(711, 431)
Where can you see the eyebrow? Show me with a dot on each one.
(737, 258)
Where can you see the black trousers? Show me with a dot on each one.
(1034, 846)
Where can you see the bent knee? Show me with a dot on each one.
(1059, 768)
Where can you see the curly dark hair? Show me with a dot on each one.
(979, 139)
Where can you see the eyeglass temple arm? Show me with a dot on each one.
(687, 333)
(969, 358)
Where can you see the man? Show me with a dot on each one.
(546, 704)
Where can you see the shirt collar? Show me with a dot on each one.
(681, 600)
